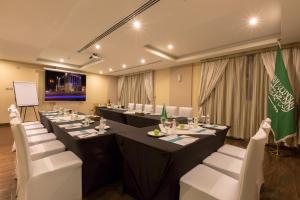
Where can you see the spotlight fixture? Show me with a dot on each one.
(137, 24)
(97, 46)
(143, 61)
(100, 72)
(253, 21)
(61, 60)
(110, 69)
(170, 46)
(124, 66)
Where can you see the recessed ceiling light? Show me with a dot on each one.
(143, 61)
(110, 69)
(100, 72)
(61, 60)
(97, 46)
(170, 46)
(137, 24)
(124, 66)
(253, 21)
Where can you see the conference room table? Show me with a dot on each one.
(150, 168)
(136, 120)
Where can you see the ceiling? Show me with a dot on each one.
(43, 32)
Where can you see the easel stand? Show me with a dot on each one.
(24, 109)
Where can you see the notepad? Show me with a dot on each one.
(180, 140)
(214, 126)
(71, 126)
(85, 131)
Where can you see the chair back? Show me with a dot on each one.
(251, 166)
(148, 108)
(139, 107)
(268, 120)
(266, 126)
(185, 112)
(158, 109)
(23, 153)
(171, 110)
(130, 106)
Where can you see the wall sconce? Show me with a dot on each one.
(179, 78)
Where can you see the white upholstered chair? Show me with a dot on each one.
(130, 106)
(139, 107)
(238, 152)
(205, 183)
(185, 112)
(171, 110)
(31, 125)
(148, 108)
(232, 166)
(54, 177)
(37, 136)
(158, 109)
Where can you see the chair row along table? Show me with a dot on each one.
(150, 168)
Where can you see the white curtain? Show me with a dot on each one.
(296, 83)
(291, 58)
(210, 74)
(120, 86)
(148, 80)
(136, 89)
(228, 102)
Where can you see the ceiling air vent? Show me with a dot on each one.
(119, 24)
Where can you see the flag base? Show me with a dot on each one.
(275, 152)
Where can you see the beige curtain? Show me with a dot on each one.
(291, 59)
(134, 90)
(295, 76)
(228, 102)
(148, 81)
(120, 86)
(210, 74)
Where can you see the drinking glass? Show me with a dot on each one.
(168, 125)
(86, 121)
(207, 119)
(190, 122)
(203, 119)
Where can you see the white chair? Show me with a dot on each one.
(54, 177)
(148, 108)
(232, 166)
(158, 109)
(130, 106)
(45, 149)
(139, 107)
(238, 152)
(205, 183)
(38, 139)
(33, 126)
(14, 111)
(171, 110)
(185, 112)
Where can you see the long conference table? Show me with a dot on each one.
(150, 168)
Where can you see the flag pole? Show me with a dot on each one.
(275, 152)
(278, 42)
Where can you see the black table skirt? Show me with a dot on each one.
(152, 168)
(138, 121)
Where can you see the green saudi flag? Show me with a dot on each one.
(281, 103)
(164, 115)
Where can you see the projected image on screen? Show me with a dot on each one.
(64, 86)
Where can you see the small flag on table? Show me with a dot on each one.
(163, 115)
(281, 103)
